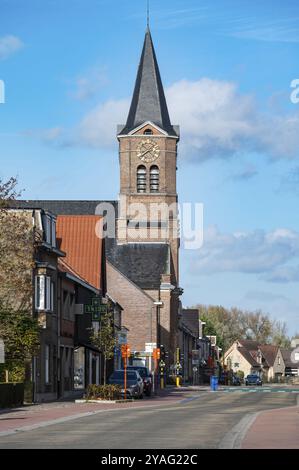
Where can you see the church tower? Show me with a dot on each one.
(148, 163)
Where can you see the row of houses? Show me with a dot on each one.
(69, 286)
(270, 362)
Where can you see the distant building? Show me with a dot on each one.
(251, 357)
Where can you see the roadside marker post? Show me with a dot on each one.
(177, 367)
(156, 357)
(125, 352)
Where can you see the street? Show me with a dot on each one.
(198, 419)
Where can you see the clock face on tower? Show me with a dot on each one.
(148, 151)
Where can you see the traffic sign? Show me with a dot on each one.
(156, 353)
(96, 309)
(149, 347)
(125, 351)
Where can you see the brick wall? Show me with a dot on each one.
(139, 314)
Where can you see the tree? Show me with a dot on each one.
(223, 323)
(232, 324)
(258, 326)
(104, 339)
(279, 335)
(18, 327)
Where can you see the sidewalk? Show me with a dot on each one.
(274, 429)
(32, 416)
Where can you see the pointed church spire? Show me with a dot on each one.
(148, 102)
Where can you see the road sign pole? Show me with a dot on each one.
(125, 378)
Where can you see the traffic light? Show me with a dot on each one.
(164, 353)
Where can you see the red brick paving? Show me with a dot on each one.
(274, 429)
(31, 415)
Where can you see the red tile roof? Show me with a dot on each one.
(80, 236)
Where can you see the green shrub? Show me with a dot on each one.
(103, 392)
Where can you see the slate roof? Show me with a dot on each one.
(63, 207)
(190, 318)
(142, 263)
(148, 102)
(76, 235)
(249, 344)
(246, 354)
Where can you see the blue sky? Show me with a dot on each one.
(69, 68)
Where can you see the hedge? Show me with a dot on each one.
(11, 394)
(103, 392)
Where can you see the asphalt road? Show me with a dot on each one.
(202, 421)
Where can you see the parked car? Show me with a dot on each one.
(236, 380)
(253, 380)
(223, 379)
(146, 377)
(134, 386)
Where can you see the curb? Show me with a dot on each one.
(233, 439)
(110, 402)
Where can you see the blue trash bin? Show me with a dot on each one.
(214, 383)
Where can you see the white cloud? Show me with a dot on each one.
(9, 45)
(86, 86)
(49, 136)
(284, 274)
(98, 127)
(259, 252)
(245, 174)
(216, 122)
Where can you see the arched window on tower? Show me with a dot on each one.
(141, 179)
(148, 132)
(154, 179)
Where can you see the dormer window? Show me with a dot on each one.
(49, 226)
(148, 132)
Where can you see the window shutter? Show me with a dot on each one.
(48, 293)
(52, 297)
(40, 304)
(53, 235)
(36, 293)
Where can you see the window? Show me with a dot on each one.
(40, 292)
(141, 179)
(44, 293)
(47, 364)
(278, 360)
(154, 179)
(148, 132)
(49, 225)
